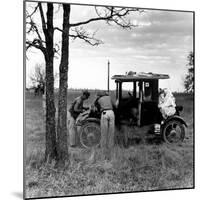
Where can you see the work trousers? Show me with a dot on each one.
(72, 130)
(107, 133)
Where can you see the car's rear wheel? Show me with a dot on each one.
(173, 132)
(90, 135)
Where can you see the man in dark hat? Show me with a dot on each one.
(75, 109)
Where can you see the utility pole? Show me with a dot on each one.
(108, 76)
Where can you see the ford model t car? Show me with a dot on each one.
(137, 97)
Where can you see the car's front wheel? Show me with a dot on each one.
(173, 132)
(90, 135)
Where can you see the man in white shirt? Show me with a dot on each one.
(105, 105)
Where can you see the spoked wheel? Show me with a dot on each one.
(90, 135)
(173, 132)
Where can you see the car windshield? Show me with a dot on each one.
(131, 89)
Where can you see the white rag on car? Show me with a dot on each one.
(167, 103)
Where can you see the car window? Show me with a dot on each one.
(147, 91)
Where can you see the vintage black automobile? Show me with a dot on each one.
(136, 108)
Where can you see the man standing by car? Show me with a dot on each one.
(75, 109)
(105, 106)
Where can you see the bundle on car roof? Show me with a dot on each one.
(141, 75)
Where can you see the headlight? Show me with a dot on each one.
(157, 128)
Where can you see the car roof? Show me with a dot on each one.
(132, 76)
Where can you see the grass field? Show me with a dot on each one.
(140, 167)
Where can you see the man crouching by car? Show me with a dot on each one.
(75, 109)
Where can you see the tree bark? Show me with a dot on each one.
(62, 147)
(50, 151)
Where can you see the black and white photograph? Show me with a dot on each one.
(108, 99)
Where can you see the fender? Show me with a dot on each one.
(91, 119)
(176, 117)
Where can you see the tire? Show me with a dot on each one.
(173, 132)
(90, 135)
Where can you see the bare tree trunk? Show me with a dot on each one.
(62, 147)
(50, 152)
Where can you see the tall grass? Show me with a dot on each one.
(142, 166)
(138, 168)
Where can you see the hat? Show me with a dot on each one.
(101, 93)
(86, 93)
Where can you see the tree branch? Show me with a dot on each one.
(80, 33)
(90, 20)
(30, 15)
(59, 29)
(35, 43)
(111, 14)
(42, 17)
(34, 28)
(56, 50)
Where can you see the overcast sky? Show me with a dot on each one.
(159, 44)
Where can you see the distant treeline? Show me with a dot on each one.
(77, 91)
